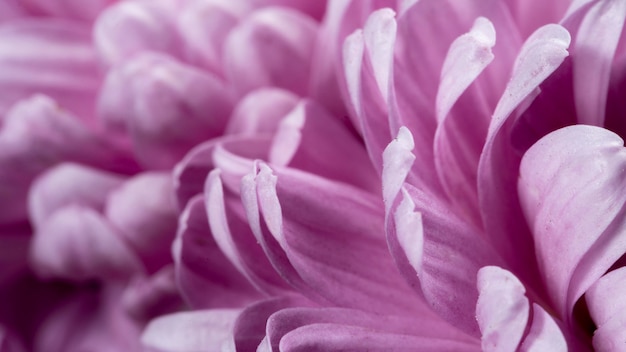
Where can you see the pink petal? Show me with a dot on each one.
(273, 47)
(132, 27)
(327, 240)
(71, 9)
(147, 297)
(51, 57)
(314, 9)
(232, 233)
(204, 275)
(144, 212)
(558, 180)
(69, 184)
(260, 111)
(167, 107)
(250, 329)
(204, 27)
(594, 47)
(528, 17)
(502, 309)
(78, 244)
(605, 302)
(201, 330)
(342, 157)
(544, 334)
(540, 56)
(422, 330)
(36, 135)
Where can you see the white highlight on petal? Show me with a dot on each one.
(353, 49)
(379, 34)
(397, 162)
(410, 231)
(467, 57)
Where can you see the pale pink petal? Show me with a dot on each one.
(250, 327)
(204, 27)
(132, 27)
(77, 243)
(190, 173)
(201, 330)
(422, 330)
(314, 9)
(502, 310)
(204, 275)
(232, 233)
(272, 47)
(37, 135)
(532, 14)
(592, 53)
(540, 56)
(332, 250)
(341, 157)
(260, 111)
(69, 184)
(606, 304)
(144, 212)
(544, 334)
(67, 72)
(560, 176)
(236, 157)
(167, 107)
(148, 297)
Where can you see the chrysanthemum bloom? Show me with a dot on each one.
(99, 100)
(506, 228)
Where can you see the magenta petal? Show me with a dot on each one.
(502, 309)
(342, 157)
(167, 107)
(148, 297)
(204, 27)
(69, 184)
(201, 330)
(273, 47)
(540, 56)
(145, 213)
(559, 177)
(544, 334)
(190, 173)
(250, 329)
(594, 48)
(260, 111)
(82, 10)
(68, 71)
(606, 304)
(205, 276)
(132, 27)
(232, 233)
(77, 243)
(327, 239)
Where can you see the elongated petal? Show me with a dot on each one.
(129, 28)
(68, 72)
(605, 306)
(260, 111)
(559, 177)
(593, 51)
(326, 248)
(205, 276)
(202, 330)
(167, 107)
(273, 47)
(540, 56)
(502, 310)
(69, 184)
(232, 233)
(77, 243)
(342, 157)
(544, 334)
(144, 212)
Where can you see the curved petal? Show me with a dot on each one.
(78, 244)
(605, 303)
(68, 184)
(544, 334)
(559, 177)
(261, 111)
(205, 276)
(327, 239)
(502, 310)
(273, 47)
(201, 330)
(145, 214)
(148, 297)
